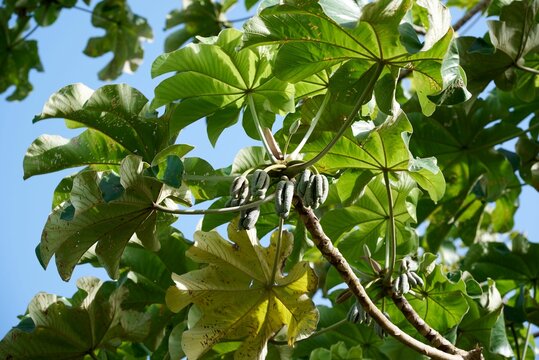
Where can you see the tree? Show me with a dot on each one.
(330, 202)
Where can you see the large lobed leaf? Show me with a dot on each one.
(58, 329)
(119, 123)
(235, 298)
(334, 32)
(367, 220)
(384, 150)
(17, 57)
(124, 32)
(213, 78)
(108, 211)
(199, 18)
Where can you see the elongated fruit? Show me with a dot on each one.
(259, 184)
(283, 197)
(316, 192)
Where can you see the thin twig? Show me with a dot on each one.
(17, 42)
(240, 19)
(213, 211)
(335, 258)
(481, 5)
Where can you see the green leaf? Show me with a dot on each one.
(442, 305)
(496, 261)
(350, 334)
(47, 12)
(248, 158)
(385, 149)
(337, 351)
(117, 111)
(109, 224)
(18, 57)
(484, 324)
(475, 172)
(49, 153)
(323, 40)
(69, 331)
(367, 219)
(213, 75)
(199, 18)
(206, 183)
(235, 297)
(517, 31)
(124, 33)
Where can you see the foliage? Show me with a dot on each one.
(408, 123)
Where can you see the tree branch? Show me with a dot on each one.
(335, 258)
(481, 5)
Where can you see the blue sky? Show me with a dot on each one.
(28, 202)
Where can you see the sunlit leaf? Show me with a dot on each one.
(368, 218)
(213, 75)
(385, 149)
(238, 298)
(335, 32)
(120, 123)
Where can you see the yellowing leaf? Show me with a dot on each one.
(238, 297)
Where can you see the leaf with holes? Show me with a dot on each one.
(110, 219)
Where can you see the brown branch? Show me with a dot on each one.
(433, 336)
(335, 258)
(481, 5)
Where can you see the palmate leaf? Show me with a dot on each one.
(124, 33)
(385, 149)
(464, 146)
(235, 298)
(366, 221)
(62, 330)
(119, 123)
(339, 31)
(213, 78)
(199, 18)
(110, 219)
(17, 58)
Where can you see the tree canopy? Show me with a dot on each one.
(374, 219)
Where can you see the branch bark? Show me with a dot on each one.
(335, 258)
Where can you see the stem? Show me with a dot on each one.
(391, 238)
(482, 5)
(526, 343)
(213, 211)
(515, 337)
(239, 19)
(294, 169)
(526, 68)
(92, 355)
(312, 126)
(277, 252)
(335, 258)
(260, 130)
